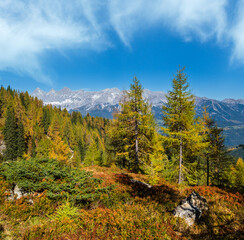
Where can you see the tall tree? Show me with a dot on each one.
(46, 121)
(218, 160)
(207, 124)
(21, 143)
(10, 135)
(181, 128)
(133, 129)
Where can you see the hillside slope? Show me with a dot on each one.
(127, 211)
(237, 152)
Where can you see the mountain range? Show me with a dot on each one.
(228, 113)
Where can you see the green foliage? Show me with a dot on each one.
(181, 128)
(46, 120)
(236, 175)
(93, 155)
(66, 210)
(133, 136)
(30, 129)
(136, 213)
(10, 135)
(215, 154)
(21, 141)
(54, 178)
(43, 148)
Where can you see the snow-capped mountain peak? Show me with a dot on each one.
(228, 113)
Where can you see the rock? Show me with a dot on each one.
(191, 208)
(17, 193)
(2, 146)
(141, 183)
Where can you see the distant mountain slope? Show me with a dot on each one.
(228, 113)
(238, 152)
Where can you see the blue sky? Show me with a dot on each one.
(94, 44)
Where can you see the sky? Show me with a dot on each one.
(98, 44)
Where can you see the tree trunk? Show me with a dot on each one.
(137, 148)
(123, 162)
(180, 162)
(207, 171)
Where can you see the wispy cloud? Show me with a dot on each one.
(237, 34)
(30, 29)
(202, 18)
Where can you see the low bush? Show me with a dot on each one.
(56, 179)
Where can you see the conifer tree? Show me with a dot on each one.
(10, 135)
(207, 123)
(81, 150)
(181, 128)
(46, 119)
(21, 148)
(239, 175)
(218, 161)
(133, 129)
(92, 154)
(33, 148)
(1, 107)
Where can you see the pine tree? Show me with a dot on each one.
(43, 148)
(181, 128)
(239, 175)
(33, 148)
(92, 154)
(133, 130)
(10, 135)
(218, 161)
(1, 106)
(207, 123)
(21, 148)
(81, 150)
(46, 119)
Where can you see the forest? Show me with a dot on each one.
(74, 170)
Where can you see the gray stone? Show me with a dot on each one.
(191, 208)
(141, 183)
(17, 193)
(2, 146)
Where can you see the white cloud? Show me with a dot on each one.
(237, 34)
(201, 18)
(30, 29)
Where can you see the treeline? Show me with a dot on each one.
(30, 129)
(189, 151)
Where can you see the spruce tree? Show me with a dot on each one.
(134, 129)
(218, 160)
(1, 106)
(181, 128)
(10, 135)
(81, 150)
(21, 144)
(46, 121)
(33, 148)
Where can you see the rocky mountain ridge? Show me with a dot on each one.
(229, 113)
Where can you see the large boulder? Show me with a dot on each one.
(191, 208)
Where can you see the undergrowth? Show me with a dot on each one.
(126, 210)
